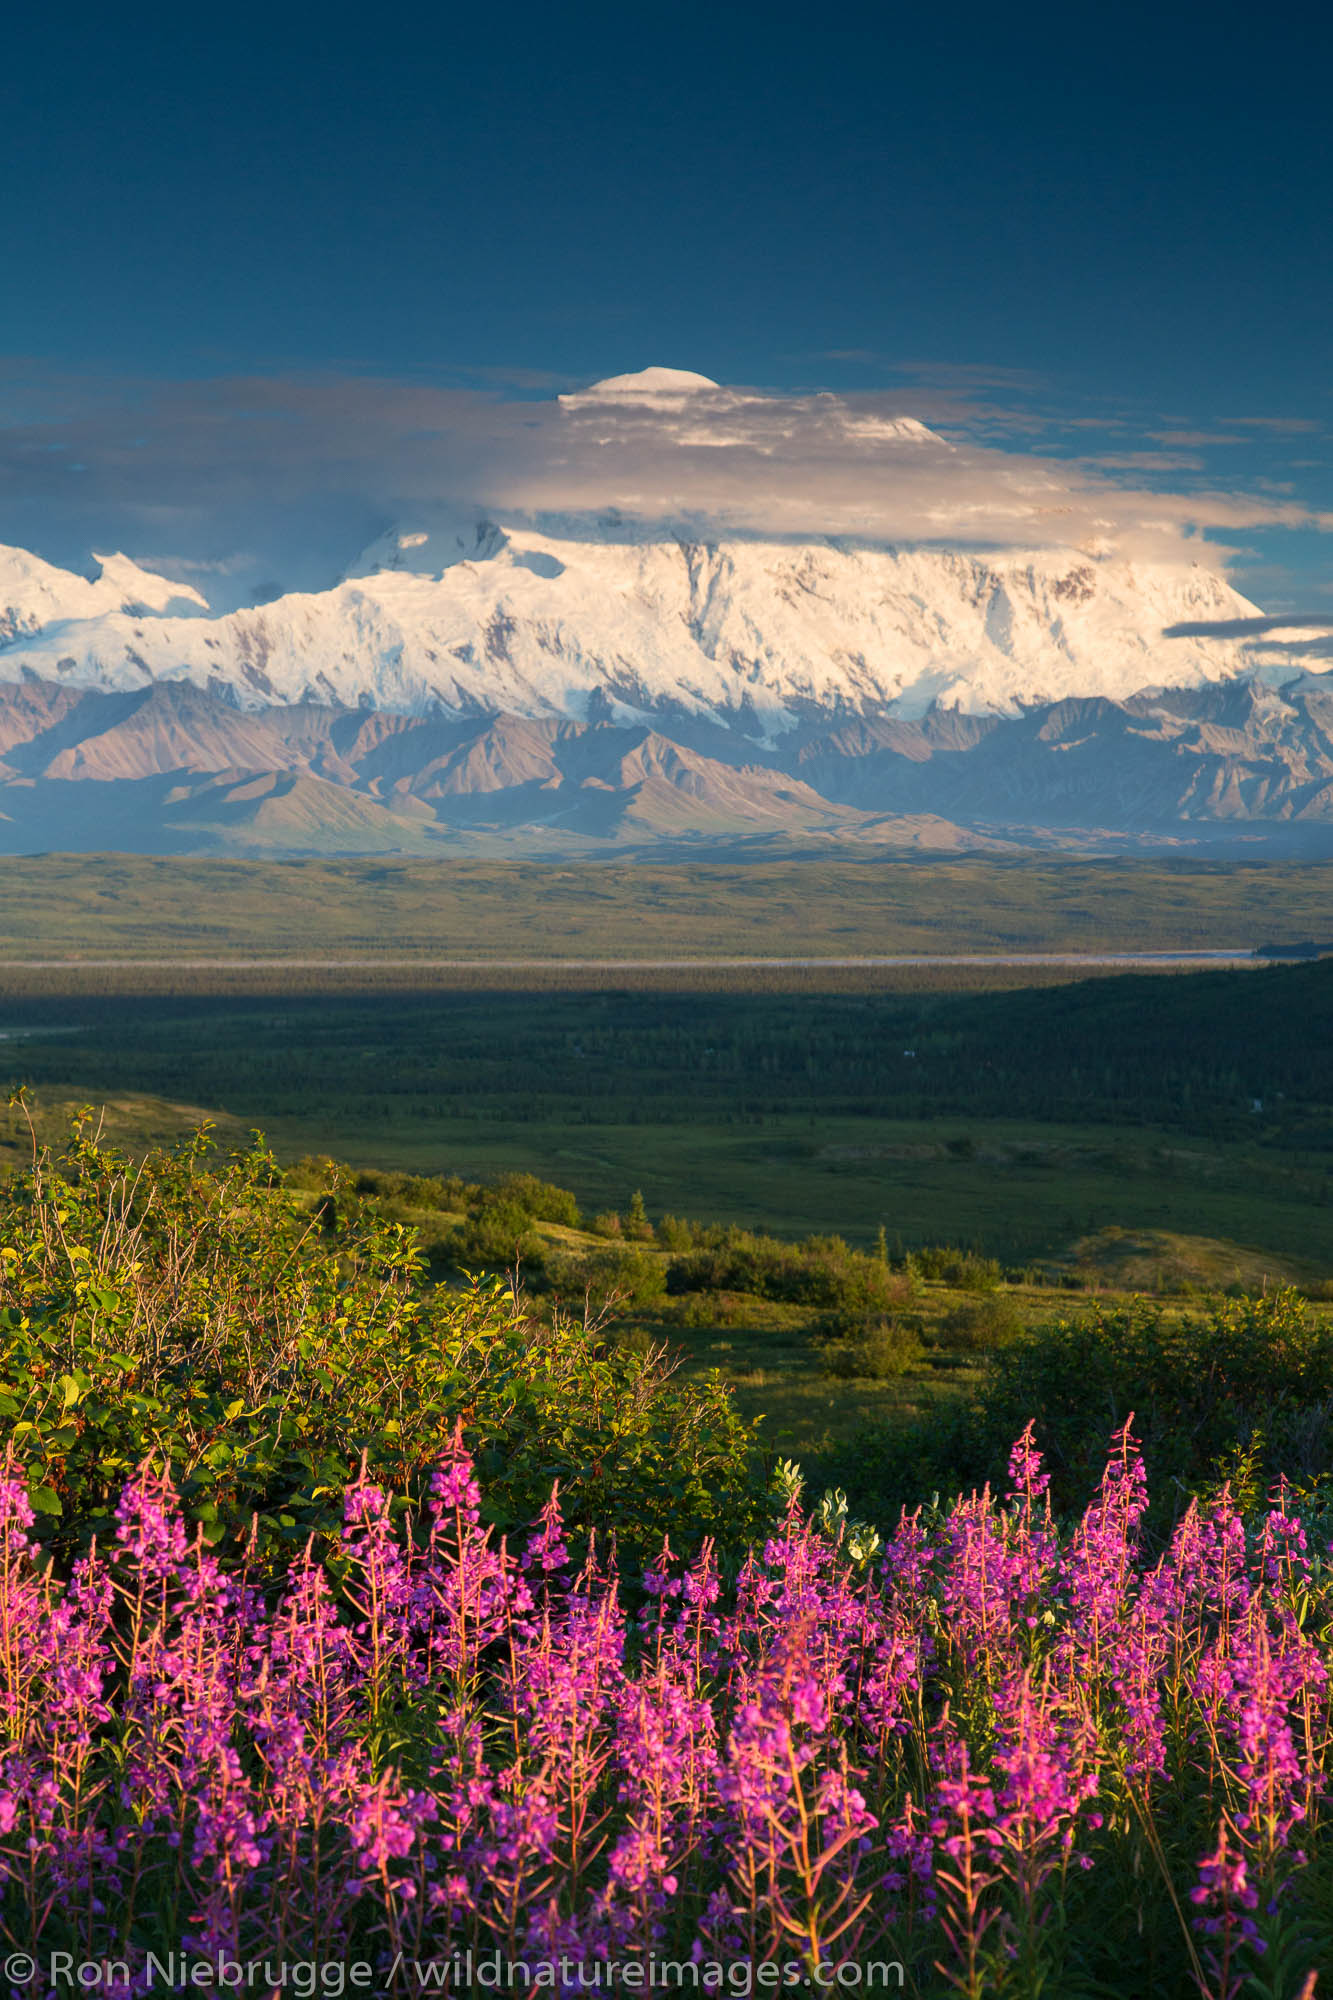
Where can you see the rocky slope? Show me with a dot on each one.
(175, 768)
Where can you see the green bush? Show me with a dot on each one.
(433, 1191)
(194, 1311)
(977, 1325)
(619, 1274)
(498, 1235)
(966, 1269)
(539, 1199)
(1199, 1386)
(878, 1349)
(1247, 1379)
(823, 1271)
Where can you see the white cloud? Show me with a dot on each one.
(274, 464)
(850, 466)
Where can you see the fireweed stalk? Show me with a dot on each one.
(430, 1742)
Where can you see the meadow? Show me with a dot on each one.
(494, 1512)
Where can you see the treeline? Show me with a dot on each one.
(1225, 1054)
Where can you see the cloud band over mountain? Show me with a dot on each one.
(281, 477)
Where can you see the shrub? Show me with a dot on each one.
(497, 1235)
(540, 1199)
(674, 1234)
(967, 1269)
(1246, 1375)
(977, 1325)
(316, 1172)
(877, 1349)
(196, 1312)
(1199, 1385)
(618, 1274)
(823, 1271)
(433, 1191)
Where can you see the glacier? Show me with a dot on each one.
(605, 617)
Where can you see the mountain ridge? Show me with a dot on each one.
(177, 767)
(597, 683)
(613, 618)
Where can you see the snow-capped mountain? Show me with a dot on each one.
(554, 681)
(36, 598)
(576, 619)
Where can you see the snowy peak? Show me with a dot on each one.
(611, 617)
(653, 387)
(35, 595)
(433, 544)
(143, 591)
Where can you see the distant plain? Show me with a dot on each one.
(121, 906)
(1037, 1106)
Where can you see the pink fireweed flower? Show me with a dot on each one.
(1046, 1760)
(1098, 1568)
(454, 1491)
(728, 1770)
(1027, 1481)
(1226, 1900)
(149, 1525)
(978, 1586)
(1283, 1551)
(665, 1737)
(547, 1551)
(1255, 1683)
(383, 1825)
(16, 1515)
(892, 1690)
(767, 1749)
(909, 1849)
(907, 1568)
(23, 1600)
(964, 1806)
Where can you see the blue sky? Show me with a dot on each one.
(1096, 237)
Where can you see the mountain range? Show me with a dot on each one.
(568, 684)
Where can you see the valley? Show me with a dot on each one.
(1022, 1119)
